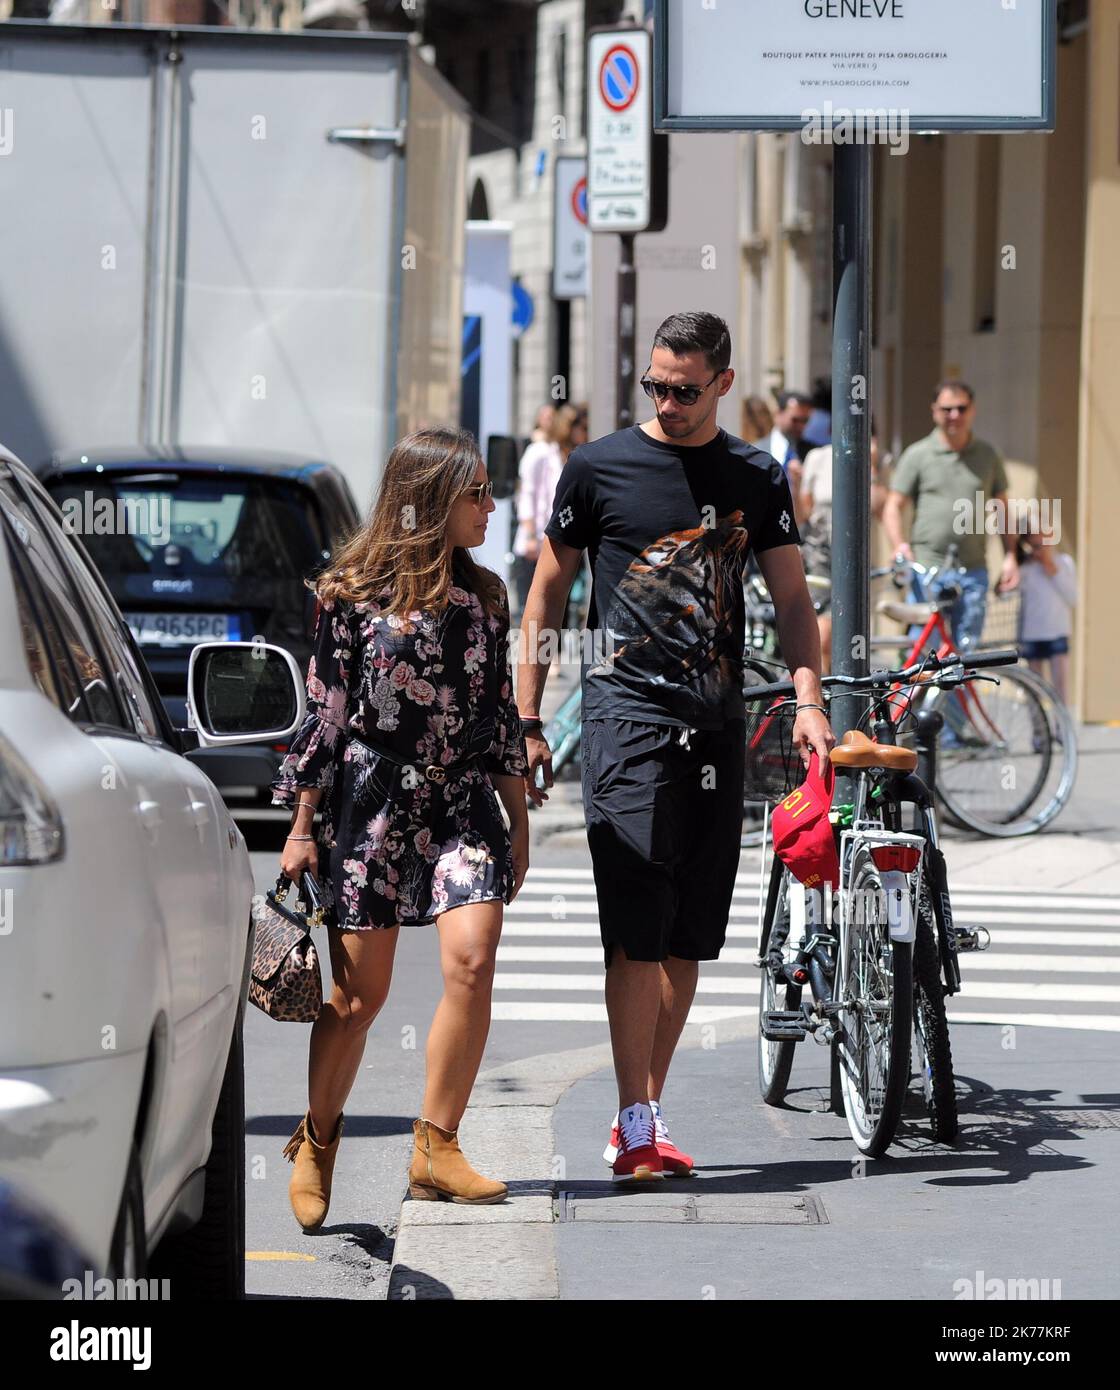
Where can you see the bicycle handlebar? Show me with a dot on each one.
(881, 680)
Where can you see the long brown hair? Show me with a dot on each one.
(402, 544)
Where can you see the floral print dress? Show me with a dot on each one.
(433, 688)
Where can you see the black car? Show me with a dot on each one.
(207, 544)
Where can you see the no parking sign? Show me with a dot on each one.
(569, 228)
(626, 163)
(619, 77)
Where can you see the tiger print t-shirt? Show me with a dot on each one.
(668, 530)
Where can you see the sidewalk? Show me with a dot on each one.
(1039, 1111)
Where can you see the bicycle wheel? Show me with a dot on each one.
(775, 1059)
(1058, 787)
(933, 1055)
(876, 1008)
(994, 761)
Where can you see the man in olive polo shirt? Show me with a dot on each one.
(949, 476)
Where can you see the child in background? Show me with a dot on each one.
(1048, 584)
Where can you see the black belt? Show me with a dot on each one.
(434, 772)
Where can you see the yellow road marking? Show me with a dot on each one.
(276, 1255)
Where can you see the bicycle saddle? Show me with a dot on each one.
(907, 612)
(855, 749)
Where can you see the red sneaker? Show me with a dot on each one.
(675, 1163)
(638, 1159)
(610, 1153)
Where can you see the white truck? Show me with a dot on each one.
(215, 236)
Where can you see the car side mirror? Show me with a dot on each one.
(502, 457)
(239, 692)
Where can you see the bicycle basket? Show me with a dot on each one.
(773, 766)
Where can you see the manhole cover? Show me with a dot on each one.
(730, 1209)
(1079, 1119)
(1038, 1118)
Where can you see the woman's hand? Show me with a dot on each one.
(297, 856)
(519, 847)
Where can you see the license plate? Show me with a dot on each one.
(173, 629)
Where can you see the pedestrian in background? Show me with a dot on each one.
(757, 419)
(1048, 596)
(538, 473)
(786, 441)
(669, 510)
(542, 424)
(410, 739)
(814, 516)
(818, 432)
(949, 476)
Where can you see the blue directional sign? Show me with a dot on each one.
(522, 308)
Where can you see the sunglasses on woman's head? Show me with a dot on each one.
(683, 395)
(479, 492)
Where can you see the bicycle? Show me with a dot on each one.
(1010, 763)
(879, 974)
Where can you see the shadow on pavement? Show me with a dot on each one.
(357, 1126)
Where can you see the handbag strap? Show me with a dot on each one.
(307, 892)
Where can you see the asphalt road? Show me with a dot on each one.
(1022, 1195)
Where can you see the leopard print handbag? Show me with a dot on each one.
(284, 980)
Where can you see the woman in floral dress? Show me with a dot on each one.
(411, 740)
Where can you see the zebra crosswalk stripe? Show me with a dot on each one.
(1054, 959)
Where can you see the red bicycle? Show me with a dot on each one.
(1008, 752)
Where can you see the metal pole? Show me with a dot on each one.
(851, 421)
(627, 308)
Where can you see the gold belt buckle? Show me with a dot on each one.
(434, 773)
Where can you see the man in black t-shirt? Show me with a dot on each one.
(669, 512)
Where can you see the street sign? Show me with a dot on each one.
(570, 239)
(627, 165)
(522, 312)
(941, 65)
(618, 77)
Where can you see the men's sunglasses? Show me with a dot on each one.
(480, 492)
(683, 395)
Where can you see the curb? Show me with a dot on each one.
(507, 1251)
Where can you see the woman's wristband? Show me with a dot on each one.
(301, 837)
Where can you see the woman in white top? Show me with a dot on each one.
(538, 474)
(1048, 589)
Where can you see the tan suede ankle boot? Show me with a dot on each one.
(441, 1173)
(310, 1188)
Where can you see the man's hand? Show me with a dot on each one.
(903, 552)
(812, 733)
(519, 849)
(1009, 575)
(540, 755)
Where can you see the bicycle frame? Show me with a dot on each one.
(936, 625)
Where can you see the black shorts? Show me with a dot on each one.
(664, 826)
